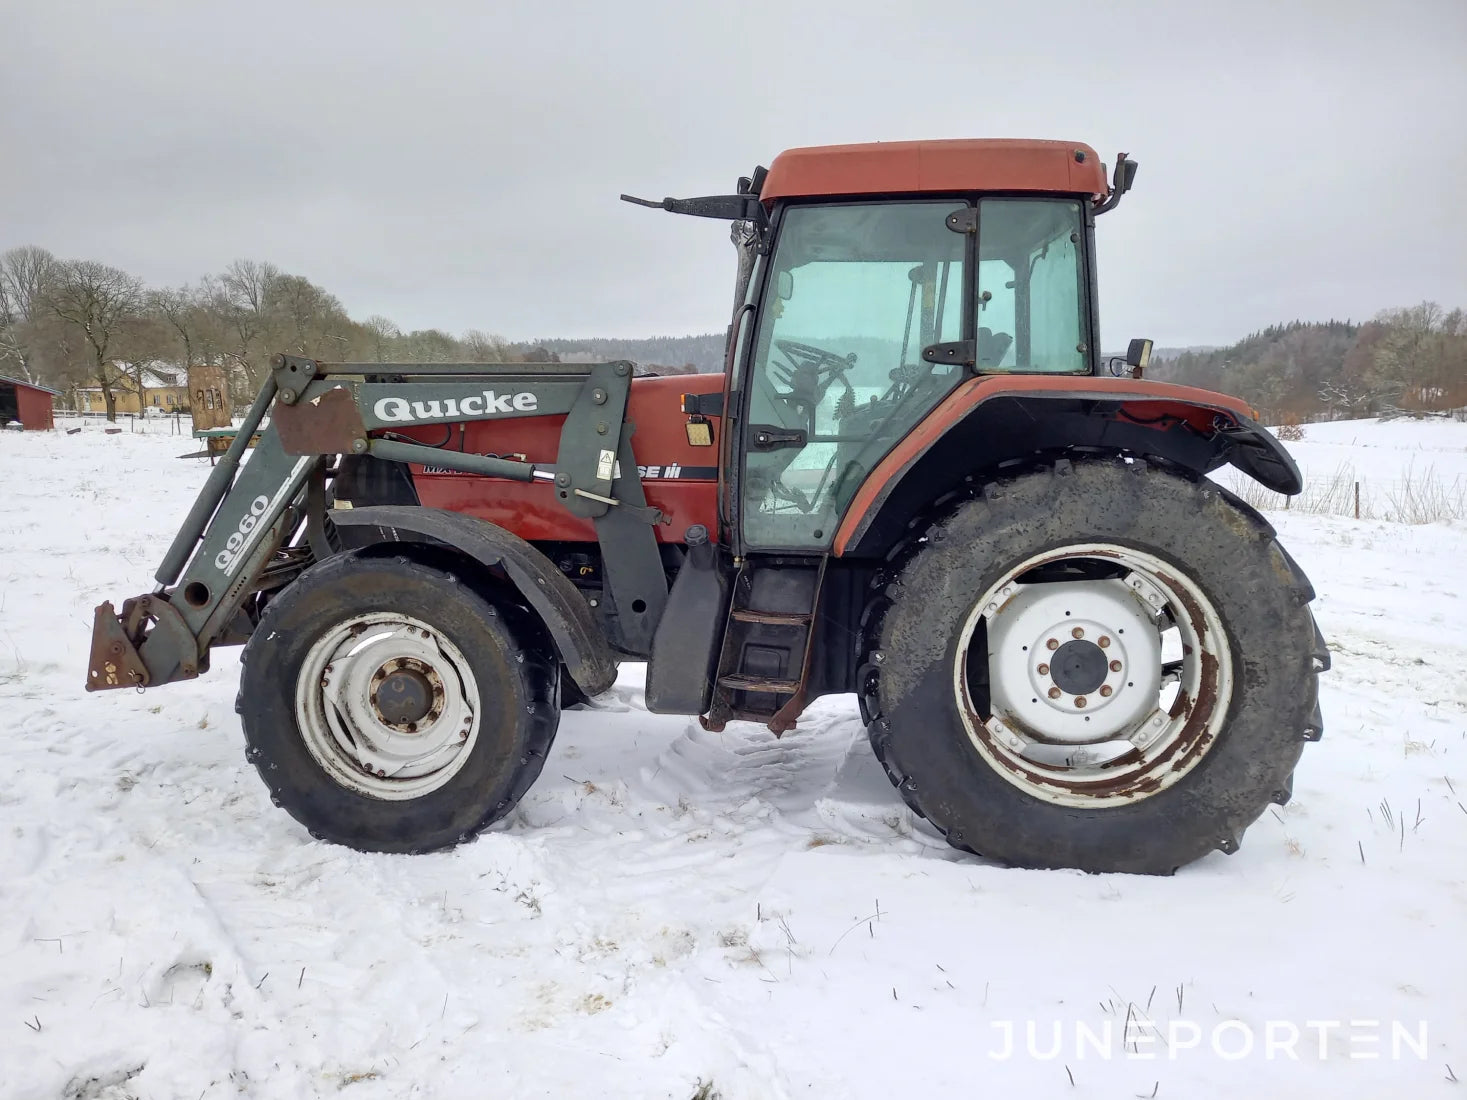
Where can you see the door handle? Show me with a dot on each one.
(766, 437)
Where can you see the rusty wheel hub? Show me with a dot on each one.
(387, 705)
(1078, 667)
(1099, 690)
(407, 692)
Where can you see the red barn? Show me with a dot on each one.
(26, 402)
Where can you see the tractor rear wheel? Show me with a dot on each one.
(390, 708)
(1104, 665)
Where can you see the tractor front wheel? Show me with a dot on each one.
(390, 708)
(1103, 665)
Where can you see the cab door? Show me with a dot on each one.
(836, 375)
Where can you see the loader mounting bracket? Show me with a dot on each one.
(115, 662)
(328, 424)
(119, 640)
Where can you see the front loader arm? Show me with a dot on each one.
(248, 512)
(216, 563)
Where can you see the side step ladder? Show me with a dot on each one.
(767, 643)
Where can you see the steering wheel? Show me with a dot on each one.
(811, 372)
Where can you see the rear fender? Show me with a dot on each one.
(991, 421)
(582, 646)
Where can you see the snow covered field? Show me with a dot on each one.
(672, 913)
(1408, 470)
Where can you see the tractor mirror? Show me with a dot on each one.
(1126, 173)
(1138, 354)
(784, 285)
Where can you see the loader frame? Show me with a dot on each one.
(256, 526)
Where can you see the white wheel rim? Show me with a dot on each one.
(387, 706)
(1102, 690)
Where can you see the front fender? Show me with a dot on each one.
(582, 646)
(995, 419)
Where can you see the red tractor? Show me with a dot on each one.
(917, 481)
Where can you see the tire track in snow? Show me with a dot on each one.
(714, 813)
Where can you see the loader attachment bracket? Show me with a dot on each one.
(328, 424)
(237, 538)
(115, 662)
(147, 643)
(292, 374)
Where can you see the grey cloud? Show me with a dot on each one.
(456, 164)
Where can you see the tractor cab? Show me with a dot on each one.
(879, 278)
(871, 314)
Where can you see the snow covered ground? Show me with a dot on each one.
(1411, 470)
(673, 913)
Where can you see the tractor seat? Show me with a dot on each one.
(992, 347)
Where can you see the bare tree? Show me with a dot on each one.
(485, 347)
(1348, 398)
(140, 342)
(311, 320)
(430, 345)
(243, 298)
(249, 283)
(382, 335)
(97, 301)
(24, 275)
(194, 327)
(1422, 357)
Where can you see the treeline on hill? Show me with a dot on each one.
(72, 324)
(75, 324)
(675, 354)
(1404, 362)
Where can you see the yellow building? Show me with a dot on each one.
(165, 390)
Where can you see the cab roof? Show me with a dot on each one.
(905, 167)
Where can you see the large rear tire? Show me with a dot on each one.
(391, 708)
(1104, 665)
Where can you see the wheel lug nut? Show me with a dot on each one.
(1078, 632)
(1051, 644)
(1054, 693)
(1115, 666)
(1044, 670)
(1106, 689)
(1104, 642)
(1080, 701)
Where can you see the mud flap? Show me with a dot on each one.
(686, 647)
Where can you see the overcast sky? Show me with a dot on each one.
(456, 163)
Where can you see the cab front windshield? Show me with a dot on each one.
(855, 293)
